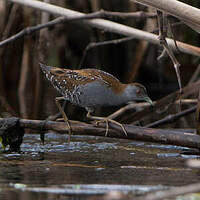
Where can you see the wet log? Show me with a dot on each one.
(164, 136)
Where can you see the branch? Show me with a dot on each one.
(119, 113)
(172, 118)
(173, 137)
(32, 29)
(108, 25)
(117, 41)
(98, 14)
(188, 14)
(97, 44)
(162, 37)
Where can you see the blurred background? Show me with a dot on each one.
(24, 91)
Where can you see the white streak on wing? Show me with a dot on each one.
(51, 79)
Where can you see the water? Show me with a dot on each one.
(91, 166)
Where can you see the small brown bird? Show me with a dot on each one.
(92, 88)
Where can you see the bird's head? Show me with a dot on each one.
(137, 92)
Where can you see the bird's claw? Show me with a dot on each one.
(106, 120)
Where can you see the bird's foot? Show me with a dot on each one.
(107, 120)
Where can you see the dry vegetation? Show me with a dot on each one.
(123, 42)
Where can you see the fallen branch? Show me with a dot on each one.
(164, 136)
(173, 137)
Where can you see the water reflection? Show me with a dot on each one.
(59, 167)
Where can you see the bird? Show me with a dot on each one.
(92, 88)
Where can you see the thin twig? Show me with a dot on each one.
(172, 118)
(131, 106)
(162, 37)
(124, 109)
(170, 26)
(32, 29)
(117, 41)
(98, 14)
(96, 44)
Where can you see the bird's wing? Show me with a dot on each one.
(99, 75)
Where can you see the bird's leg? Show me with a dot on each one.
(105, 119)
(58, 115)
(57, 99)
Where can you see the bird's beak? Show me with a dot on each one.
(147, 99)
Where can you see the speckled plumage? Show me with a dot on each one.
(91, 88)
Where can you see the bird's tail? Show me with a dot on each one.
(45, 68)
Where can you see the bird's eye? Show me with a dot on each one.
(59, 72)
(138, 91)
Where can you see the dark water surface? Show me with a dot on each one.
(90, 166)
